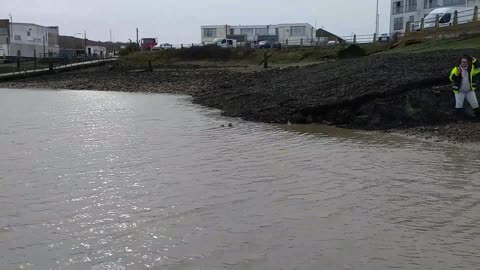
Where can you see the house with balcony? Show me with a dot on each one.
(403, 11)
(291, 34)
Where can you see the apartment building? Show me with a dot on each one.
(27, 39)
(293, 33)
(403, 11)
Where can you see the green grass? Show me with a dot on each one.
(242, 56)
(285, 56)
(461, 43)
(12, 67)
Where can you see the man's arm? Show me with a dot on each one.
(476, 66)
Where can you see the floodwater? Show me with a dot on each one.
(106, 180)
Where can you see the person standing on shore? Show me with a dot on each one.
(463, 77)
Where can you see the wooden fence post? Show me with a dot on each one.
(374, 37)
(265, 60)
(301, 42)
(408, 28)
(19, 60)
(286, 43)
(50, 61)
(34, 59)
(354, 39)
(150, 67)
(475, 14)
(437, 22)
(455, 22)
(422, 25)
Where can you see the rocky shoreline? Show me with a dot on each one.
(378, 92)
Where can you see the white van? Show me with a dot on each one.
(225, 42)
(446, 15)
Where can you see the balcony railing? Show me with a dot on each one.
(397, 10)
(411, 8)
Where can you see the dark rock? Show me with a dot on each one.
(351, 51)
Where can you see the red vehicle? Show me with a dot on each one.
(148, 43)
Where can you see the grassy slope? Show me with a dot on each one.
(12, 67)
(471, 42)
(241, 56)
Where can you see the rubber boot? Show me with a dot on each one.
(459, 116)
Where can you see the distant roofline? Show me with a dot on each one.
(255, 25)
(34, 24)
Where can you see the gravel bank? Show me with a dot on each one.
(379, 92)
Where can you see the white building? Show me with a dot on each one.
(293, 34)
(28, 39)
(403, 11)
(96, 51)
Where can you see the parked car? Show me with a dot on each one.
(224, 43)
(446, 16)
(163, 46)
(332, 43)
(384, 38)
(265, 44)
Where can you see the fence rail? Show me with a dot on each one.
(447, 25)
(352, 39)
(19, 65)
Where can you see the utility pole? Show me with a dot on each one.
(10, 36)
(377, 24)
(85, 42)
(11, 25)
(137, 38)
(113, 44)
(44, 51)
(111, 41)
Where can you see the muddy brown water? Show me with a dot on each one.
(107, 180)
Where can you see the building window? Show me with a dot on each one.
(296, 31)
(411, 5)
(261, 31)
(397, 7)
(323, 39)
(454, 3)
(3, 31)
(398, 24)
(246, 31)
(232, 31)
(411, 19)
(17, 37)
(431, 4)
(28, 33)
(209, 32)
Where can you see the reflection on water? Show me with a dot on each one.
(105, 180)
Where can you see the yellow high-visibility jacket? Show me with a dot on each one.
(473, 71)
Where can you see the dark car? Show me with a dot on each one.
(265, 44)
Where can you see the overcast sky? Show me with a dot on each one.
(179, 21)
